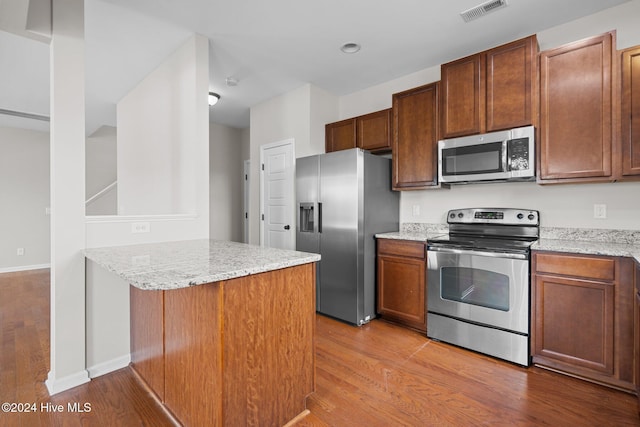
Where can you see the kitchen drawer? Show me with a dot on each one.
(403, 248)
(597, 268)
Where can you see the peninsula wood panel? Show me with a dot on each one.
(147, 338)
(236, 352)
(631, 112)
(269, 351)
(576, 110)
(193, 345)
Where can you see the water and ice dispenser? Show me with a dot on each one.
(306, 217)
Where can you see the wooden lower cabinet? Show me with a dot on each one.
(402, 280)
(582, 311)
(237, 352)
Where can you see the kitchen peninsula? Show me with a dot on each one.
(221, 332)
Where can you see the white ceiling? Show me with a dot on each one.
(271, 47)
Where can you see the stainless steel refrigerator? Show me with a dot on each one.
(344, 198)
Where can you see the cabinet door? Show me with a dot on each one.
(374, 131)
(463, 102)
(340, 135)
(401, 290)
(575, 98)
(636, 328)
(511, 71)
(415, 138)
(631, 112)
(574, 323)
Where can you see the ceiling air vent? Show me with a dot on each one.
(482, 9)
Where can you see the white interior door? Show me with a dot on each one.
(277, 176)
(245, 202)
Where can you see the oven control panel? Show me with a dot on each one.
(504, 216)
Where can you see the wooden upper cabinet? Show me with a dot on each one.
(463, 108)
(370, 132)
(630, 137)
(511, 85)
(576, 110)
(415, 138)
(491, 90)
(340, 135)
(373, 131)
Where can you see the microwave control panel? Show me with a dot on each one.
(518, 152)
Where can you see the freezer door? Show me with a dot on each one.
(341, 218)
(307, 238)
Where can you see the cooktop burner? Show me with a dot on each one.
(477, 242)
(497, 229)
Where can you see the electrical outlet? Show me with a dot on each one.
(600, 211)
(140, 227)
(416, 210)
(47, 211)
(20, 251)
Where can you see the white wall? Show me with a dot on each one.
(101, 171)
(187, 126)
(226, 147)
(67, 154)
(156, 137)
(183, 130)
(300, 114)
(567, 205)
(24, 186)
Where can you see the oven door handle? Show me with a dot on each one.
(477, 253)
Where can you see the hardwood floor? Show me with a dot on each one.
(375, 375)
(116, 399)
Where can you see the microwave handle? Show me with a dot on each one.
(505, 145)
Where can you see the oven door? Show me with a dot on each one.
(487, 288)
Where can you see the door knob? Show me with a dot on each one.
(286, 227)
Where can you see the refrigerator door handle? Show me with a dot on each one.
(319, 217)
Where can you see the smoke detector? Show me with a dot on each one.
(482, 9)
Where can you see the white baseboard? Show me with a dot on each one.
(24, 268)
(109, 366)
(57, 385)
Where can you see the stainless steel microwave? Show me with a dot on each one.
(507, 155)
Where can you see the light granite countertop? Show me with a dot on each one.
(624, 243)
(174, 265)
(416, 231)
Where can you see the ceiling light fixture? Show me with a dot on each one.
(350, 47)
(213, 98)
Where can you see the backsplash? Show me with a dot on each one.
(419, 227)
(631, 237)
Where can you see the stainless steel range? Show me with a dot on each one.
(478, 281)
